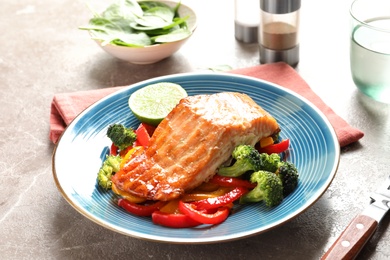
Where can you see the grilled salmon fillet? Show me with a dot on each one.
(190, 144)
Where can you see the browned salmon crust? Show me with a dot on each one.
(192, 142)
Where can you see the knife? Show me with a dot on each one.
(362, 227)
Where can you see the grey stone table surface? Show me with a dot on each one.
(43, 53)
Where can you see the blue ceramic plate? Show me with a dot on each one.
(314, 149)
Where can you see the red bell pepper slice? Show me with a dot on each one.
(173, 220)
(149, 128)
(275, 148)
(113, 149)
(144, 132)
(231, 182)
(213, 203)
(203, 217)
(138, 209)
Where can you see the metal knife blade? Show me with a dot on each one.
(362, 227)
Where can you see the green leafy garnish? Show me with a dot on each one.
(137, 24)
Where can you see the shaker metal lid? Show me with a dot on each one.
(245, 33)
(280, 6)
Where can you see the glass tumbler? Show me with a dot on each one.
(370, 48)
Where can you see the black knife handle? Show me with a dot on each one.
(353, 238)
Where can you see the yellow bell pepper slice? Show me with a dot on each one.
(133, 151)
(266, 141)
(127, 196)
(172, 207)
(200, 195)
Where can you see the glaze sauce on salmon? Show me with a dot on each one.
(190, 144)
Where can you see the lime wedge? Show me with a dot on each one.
(151, 104)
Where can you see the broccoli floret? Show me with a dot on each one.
(288, 174)
(121, 136)
(286, 171)
(269, 189)
(269, 162)
(246, 157)
(109, 167)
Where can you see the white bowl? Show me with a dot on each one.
(156, 52)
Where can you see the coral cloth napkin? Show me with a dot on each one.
(65, 107)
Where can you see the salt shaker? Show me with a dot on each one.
(279, 31)
(246, 20)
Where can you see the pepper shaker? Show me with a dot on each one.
(279, 31)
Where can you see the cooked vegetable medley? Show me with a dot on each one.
(252, 177)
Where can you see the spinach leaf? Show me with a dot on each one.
(149, 23)
(105, 25)
(164, 12)
(132, 40)
(175, 35)
(128, 9)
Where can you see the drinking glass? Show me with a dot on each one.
(370, 47)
